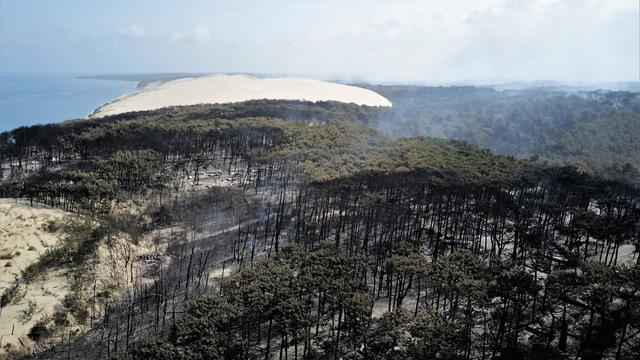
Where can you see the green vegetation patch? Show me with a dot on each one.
(80, 238)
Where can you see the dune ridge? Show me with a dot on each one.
(237, 88)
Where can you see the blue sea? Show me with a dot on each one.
(38, 99)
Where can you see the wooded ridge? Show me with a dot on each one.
(286, 229)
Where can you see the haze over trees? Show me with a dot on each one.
(284, 229)
(593, 130)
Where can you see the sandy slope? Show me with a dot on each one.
(235, 88)
(22, 240)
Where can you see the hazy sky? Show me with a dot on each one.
(394, 40)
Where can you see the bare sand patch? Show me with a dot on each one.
(22, 240)
(236, 88)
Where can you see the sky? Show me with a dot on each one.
(392, 41)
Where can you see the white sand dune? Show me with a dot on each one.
(236, 88)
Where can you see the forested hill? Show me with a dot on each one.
(293, 230)
(596, 131)
(320, 141)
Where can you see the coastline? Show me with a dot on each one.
(140, 87)
(39, 99)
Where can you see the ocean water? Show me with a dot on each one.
(29, 99)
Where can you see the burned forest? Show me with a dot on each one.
(275, 229)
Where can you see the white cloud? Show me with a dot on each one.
(199, 35)
(566, 40)
(134, 31)
(400, 40)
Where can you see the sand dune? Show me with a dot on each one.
(22, 240)
(237, 88)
